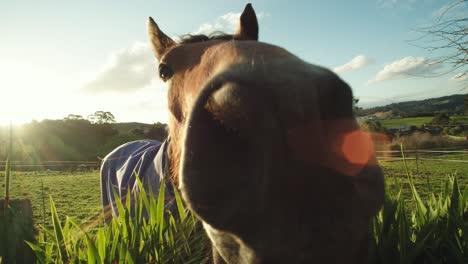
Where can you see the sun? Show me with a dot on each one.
(17, 110)
(30, 92)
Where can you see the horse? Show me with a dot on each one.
(265, 149)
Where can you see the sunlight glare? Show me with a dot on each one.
(30, 93)
(357, 147)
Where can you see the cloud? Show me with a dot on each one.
(225, 23)
(460, 77)
(408, 66)
(133, 68)
(358, 62)
(126, 70)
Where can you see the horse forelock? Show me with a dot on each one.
(194, 38)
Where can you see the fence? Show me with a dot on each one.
(459, 156)
(428, 155)
(54, 165)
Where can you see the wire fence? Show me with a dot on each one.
(460, 156)
(443, 155)
(52, 165)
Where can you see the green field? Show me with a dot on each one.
(412, 121)
(428, 175)
(75, 194)
(461, 119)
(403, 223)
(417, 121)
(78, 194)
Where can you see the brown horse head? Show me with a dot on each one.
(265, 149)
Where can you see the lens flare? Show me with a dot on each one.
(357, 147)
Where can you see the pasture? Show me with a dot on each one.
(78, 194)
(418, 121)
(428, 175)
(410, 121)
(75, 194)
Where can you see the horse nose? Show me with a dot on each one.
(235, 106)
(229, 130)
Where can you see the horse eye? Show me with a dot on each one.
(165, 72)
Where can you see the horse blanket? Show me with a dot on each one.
(146, 159)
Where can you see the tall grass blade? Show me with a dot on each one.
(180, 205)
(38, 251)
(101, 241)
(43, 203)
(115, 239)
(92, 251)
(421, 210)
(403, 156)
(160, 210)
(58, 232)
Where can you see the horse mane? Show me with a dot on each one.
(195, 38)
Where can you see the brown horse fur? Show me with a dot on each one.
(266, 151)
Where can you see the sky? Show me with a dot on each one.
(77, 57)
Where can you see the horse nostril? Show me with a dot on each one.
(232, 106)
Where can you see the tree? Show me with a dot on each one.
(448, 36)
(157, 131)
(465, 104)
(138, 131)
(396, 113)
(356, 109)
(73, 117)
(101, 117)
(372, 126)
(441, 119)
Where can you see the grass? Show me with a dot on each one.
(75, 236)
(428, 175)
(78, 194)
(75, 194)
(460, 119)
(417, 121)
(411, 121)
(161, 238)
(433, 230)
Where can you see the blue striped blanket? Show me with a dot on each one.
(146, 159)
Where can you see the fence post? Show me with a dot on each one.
(417, 162)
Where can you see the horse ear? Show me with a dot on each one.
(160, 42)
(248, 26)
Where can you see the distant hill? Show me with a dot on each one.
(452, 104)
(150, 131)
(129, 126)
(74, 139)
